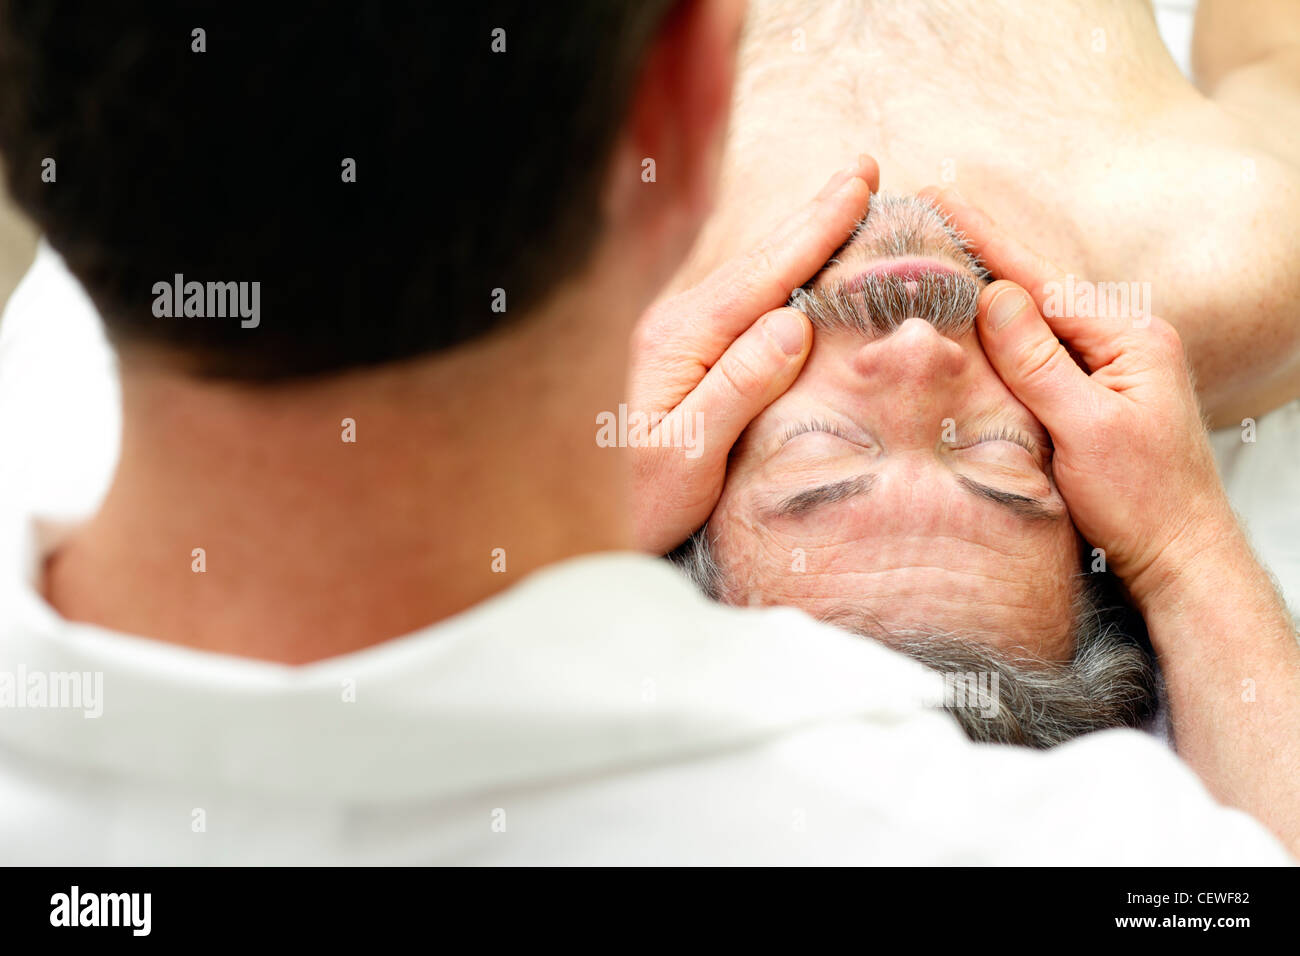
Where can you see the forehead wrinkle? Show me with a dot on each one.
(1001, 584)
(893, 593)
(785, 541)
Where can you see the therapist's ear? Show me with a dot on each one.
(664, 168)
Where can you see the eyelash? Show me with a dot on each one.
(1011, 435)
(801, 428)
(820, 425)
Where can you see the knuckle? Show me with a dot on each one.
(644, 335)
(761, 275)
(1038, 362)
(742, 374)
(656, 327)
(761, 262)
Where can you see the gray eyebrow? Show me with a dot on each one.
(807, 500)
(1022, 505)
(811, 498)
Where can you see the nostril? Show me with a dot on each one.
(914, 351)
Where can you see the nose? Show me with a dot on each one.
(913, 361)
(920, 376)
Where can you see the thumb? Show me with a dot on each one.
(751, 374)
(1028, 357)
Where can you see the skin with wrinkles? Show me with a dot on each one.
(919, 548)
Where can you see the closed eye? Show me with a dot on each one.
(1011, 435)
(990, 440)
(814, 425)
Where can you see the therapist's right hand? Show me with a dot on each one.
(713, 356)
(1132, 459)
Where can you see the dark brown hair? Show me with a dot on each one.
(476, 169)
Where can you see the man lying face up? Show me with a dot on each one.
(899, 490)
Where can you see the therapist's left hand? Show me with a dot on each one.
(1131, 457)
(706, 361)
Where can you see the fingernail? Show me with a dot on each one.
(788, 331)
(836, 181)
(955, 193)
(1006, 305)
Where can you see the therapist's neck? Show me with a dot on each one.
(468, 471)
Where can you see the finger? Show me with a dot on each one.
(757, 368)
(1097, 340)
(1031, 361)
(710, 316)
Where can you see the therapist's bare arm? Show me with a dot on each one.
(1231, 663)
(1133, 463)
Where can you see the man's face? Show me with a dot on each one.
(898, 479)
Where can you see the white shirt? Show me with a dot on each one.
(599, 711)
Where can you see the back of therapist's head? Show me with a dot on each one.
(398, 179)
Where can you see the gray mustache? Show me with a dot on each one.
(881, 304)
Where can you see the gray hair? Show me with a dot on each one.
(1109, 682)
(880, 304)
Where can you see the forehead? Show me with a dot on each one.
(915, 554)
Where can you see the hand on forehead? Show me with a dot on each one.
(899, 476)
